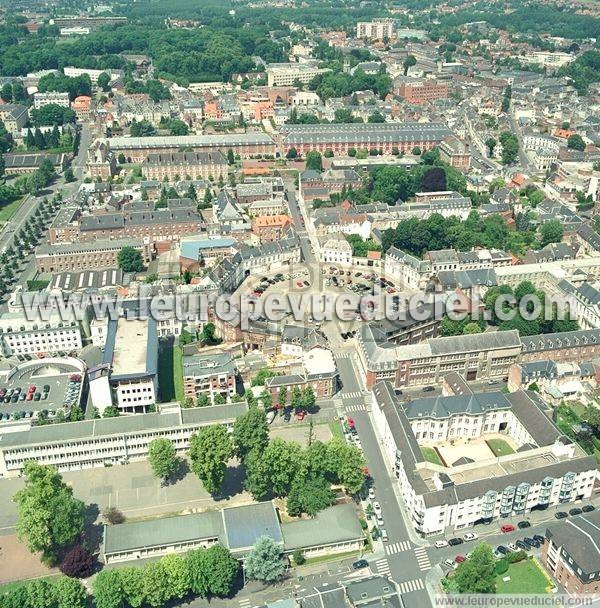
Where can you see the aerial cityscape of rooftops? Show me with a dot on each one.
(299, 303)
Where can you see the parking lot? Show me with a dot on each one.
(39, 387)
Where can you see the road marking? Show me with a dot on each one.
(394, 548)
(245, 603)
(414, 585)
(358, 407)
(343, 356)
(423, 559)
(382, 567)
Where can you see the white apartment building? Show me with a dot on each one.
(52, 97)
(109, 441)
(335, 249)
(19, 336)
(73, 72)
(378, 29)
(547, 469)
(285, 74)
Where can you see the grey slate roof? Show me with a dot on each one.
(244, 525)
(580, 538)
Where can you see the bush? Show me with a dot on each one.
(501, 566)
(363, 524)
(298, 557)
(78, 563)
(517, 556)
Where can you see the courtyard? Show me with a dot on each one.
(476, 449)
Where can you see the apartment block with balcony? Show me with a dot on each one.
(211, 375)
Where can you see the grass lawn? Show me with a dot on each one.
(335, 426)
(499, 447)
(9, 587)
(431, 455)
(310, 561)
(525, 577)
(7, 211)
(170, 373)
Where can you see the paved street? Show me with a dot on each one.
(405, 562)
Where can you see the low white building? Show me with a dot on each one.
(52, 97)
(74, 446)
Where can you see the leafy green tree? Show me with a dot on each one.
(250, 432)
(291, 154)
(6, 93)
(376, 117)
(575, 142)
(230, 157)
(103, 82)
(472, 328)
(222, 570)
(273, 471)
(264, 562)
(108, 589)
(40, 140)
(476, 574)
(345, 464)
(70, 593)
(41, 593)
(309, 494)
(551, 232)
(510, 147)
(49, 517)
(130, 260)
(69, 175)
(178, 127)
(207, 335)
(314, 161)
(157, 590)
(490, 144)
(210, 449)
(163, 459)
(52, 114)
(409, 62)
(308, 399)
(132, 586)
(282, 396)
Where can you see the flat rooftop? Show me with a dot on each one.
(131, 345)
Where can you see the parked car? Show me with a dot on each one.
(371, 493)
(507, 528)
(384, 535)
(513, 547)
(361, 563)
(459, 559)
(271, 416)
(575, 511)
(539, 538)
(561, 515)
(428, 389)
(502, 550)
(470, 536)
(448, 563)
(439, 544)
(522, 545)
(455, 541)
(588, 508)
(379, 521)
(529, 541)
(523, 524)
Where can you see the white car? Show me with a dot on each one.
(384, 535)
(377, 508)
(379, 521)
(439, 544)
(512, 547)
(371, 493)
(470, 536)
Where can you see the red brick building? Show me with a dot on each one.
(422, 91)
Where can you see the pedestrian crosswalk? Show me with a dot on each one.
(245, 603)
(414, 585)
(356, 407)
(342, 356)
(382, 567)
(394, 548)
(352, 395)
(422, 558)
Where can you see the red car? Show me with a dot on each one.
(507, 528)
(300, 415)
(31, 389)
(459, 559)
(351, 422)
